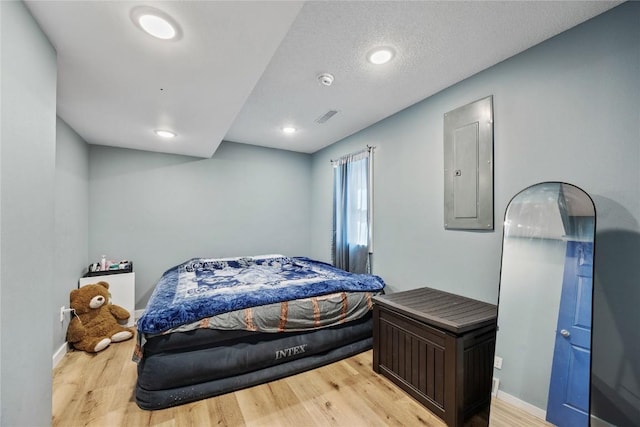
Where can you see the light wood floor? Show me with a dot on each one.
(98, 390)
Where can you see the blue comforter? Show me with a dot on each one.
(202, 287)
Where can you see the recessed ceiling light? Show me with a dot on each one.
(157, 27)
(165, 133)
(380, 56)
(155, 22)
(288, 129)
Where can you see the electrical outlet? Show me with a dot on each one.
(497, 362)
(64, 310)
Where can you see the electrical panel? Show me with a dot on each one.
(468, 166)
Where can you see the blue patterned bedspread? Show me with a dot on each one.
(203, 287)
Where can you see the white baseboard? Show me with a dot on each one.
(521, 404)
(495, 386)
(59, 354)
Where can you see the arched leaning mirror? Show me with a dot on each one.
(545, 303)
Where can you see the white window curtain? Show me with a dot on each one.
(351, 246)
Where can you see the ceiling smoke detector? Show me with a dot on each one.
(325, 79)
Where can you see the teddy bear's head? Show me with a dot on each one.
(89, 297)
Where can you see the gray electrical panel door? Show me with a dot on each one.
(468, 166)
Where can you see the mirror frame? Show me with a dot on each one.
(592, 239)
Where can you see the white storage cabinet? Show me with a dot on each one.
(122, 287)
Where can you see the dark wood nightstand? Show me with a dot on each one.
(438, 347)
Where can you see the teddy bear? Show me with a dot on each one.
(94, 323)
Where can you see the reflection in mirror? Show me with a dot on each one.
(545, 303)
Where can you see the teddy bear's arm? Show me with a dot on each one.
(76, 330)
(118, 312)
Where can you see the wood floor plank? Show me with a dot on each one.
(225, 411)
(271, 404)
(333, 394)
(505, 415)
(98, 391)
(313, 391)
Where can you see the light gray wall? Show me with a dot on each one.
(27, 173)
(159, 210)
(565, 110)
(71, 221)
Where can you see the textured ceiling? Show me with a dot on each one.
(116, 84)
(243, 70)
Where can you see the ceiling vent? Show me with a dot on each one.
(326, 116)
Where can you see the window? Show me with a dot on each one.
(352, 212)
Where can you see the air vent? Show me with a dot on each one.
(326, 116)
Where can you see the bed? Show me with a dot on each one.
(213, 326)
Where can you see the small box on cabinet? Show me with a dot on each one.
(123, 267)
